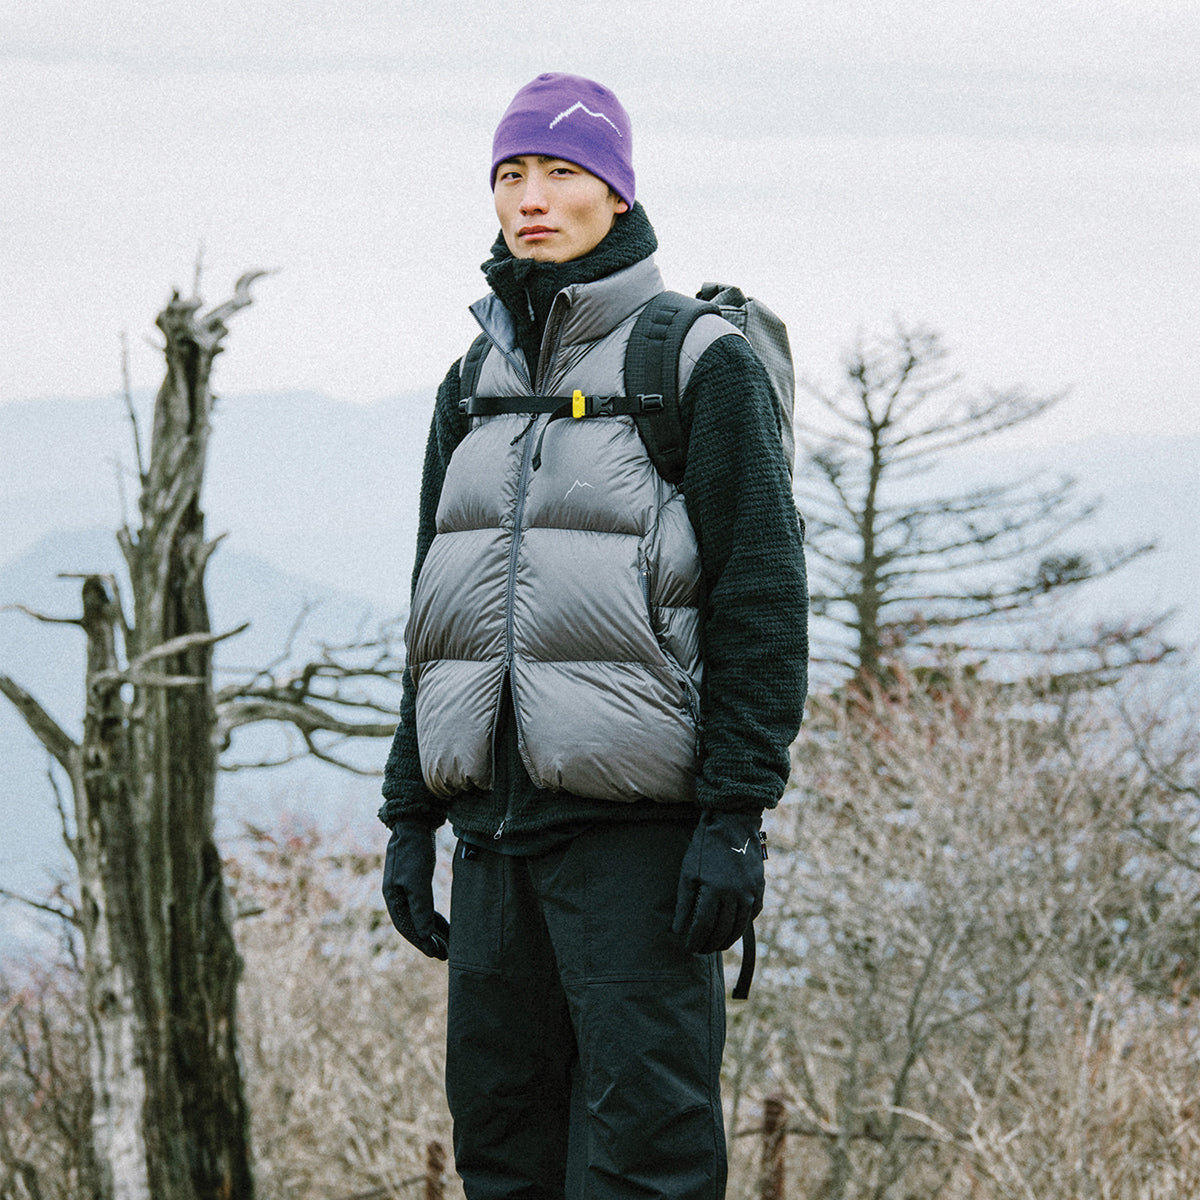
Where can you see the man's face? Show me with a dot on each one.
(552, 210)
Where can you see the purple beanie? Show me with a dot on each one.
(567, 116)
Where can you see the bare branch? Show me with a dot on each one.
(213, 322)
(69, 834)
(62, 914)
(61, 747)
(315, 697)
(45, 618)
(151, 680)
(183, 643)
(261, 764)
(341, 763)
(306, 717)
(136, 673)
(130, 411)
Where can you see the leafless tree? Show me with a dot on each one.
(897, 570)
(169, 1114)
(45, 1100)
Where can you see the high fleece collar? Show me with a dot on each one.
(527, 288)
(591, 310)
(514, 316)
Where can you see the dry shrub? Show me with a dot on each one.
(974, 981)
(45, 1093)
(342, 1023)
(978, 976)
(1112, 1109)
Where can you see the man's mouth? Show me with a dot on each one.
(534, 231)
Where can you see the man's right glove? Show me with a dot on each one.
(721, 885)
(408, 888)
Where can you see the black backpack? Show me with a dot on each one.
(652, 373)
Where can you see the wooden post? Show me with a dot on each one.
(435, 1170)
(774, 1148)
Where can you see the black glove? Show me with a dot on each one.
(408, 888)
(721, 884)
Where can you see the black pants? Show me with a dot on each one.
(564, 969)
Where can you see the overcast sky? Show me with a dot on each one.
(1024, 175)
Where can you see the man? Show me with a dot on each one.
(605, 673)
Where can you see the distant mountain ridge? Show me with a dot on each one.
(295, 478)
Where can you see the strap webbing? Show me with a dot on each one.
(495, 406)
(472, 364)
(652, 365)
(593, 406)
(741, 989)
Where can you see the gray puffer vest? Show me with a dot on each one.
(575, 584)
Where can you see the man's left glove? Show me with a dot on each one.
(408, 888)
(721, 885)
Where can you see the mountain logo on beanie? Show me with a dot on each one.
(566, 112)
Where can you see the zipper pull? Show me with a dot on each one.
(500, 830)
(532, 422)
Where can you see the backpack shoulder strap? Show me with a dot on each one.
(472, 364)
(652, 369)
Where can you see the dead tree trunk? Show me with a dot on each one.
(170, 1119)
(150, 799)
(160, 964)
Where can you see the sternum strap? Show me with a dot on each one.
(584, 406)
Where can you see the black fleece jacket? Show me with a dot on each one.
(754, 598)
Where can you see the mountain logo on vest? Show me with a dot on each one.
(577, 484)
(579, 104)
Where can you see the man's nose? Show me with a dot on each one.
(533, 199)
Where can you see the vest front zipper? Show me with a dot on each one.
(551, 336)
(510, 594)
(549, 348)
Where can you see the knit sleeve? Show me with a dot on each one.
(754, 603)
(404, 790)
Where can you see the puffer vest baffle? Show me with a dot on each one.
(575, 584)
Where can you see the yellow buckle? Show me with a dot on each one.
(578, 404)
